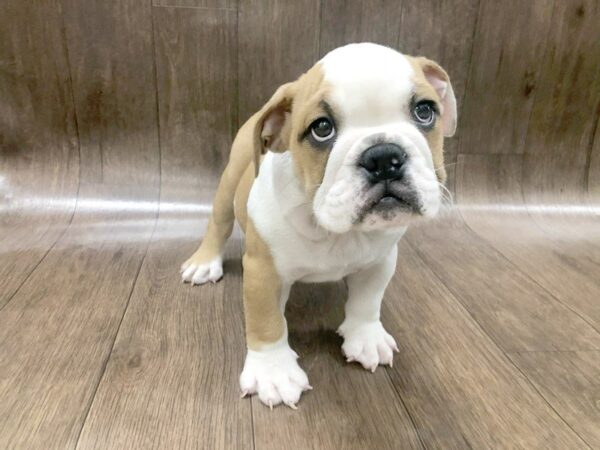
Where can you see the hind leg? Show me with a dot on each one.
(206, 264)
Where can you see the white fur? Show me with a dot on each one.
(365, 339)
(303, 250)
(371, 91)
(274, 375)
(203, 273)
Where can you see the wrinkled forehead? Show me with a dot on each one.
(368, 84)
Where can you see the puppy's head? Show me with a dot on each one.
(365, 128)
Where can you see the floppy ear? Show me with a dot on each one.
(439, 79)
(272, 118)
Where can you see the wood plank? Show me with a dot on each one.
(196, 70)
(460, 389)
(278, 41)
(491, 202)
(339, 412)
(57, 332)
(221, 4)
(509, 306)
(344, 22)
(38, 139)
(593, 173)
(569, 381)
(563, 118)
(110, 49)
(172, 378)
(508, 51)
(442, 31)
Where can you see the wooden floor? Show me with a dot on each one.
(496, 309)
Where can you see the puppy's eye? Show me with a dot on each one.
(424, 113)
(322, 129)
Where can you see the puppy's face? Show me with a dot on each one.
(365, 127)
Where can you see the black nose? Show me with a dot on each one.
(384, 162)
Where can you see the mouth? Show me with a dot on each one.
(388, 197)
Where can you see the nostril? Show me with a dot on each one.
(383, 161)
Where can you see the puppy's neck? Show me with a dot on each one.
(295, 205)
(293, 202)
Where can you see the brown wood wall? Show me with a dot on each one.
(134, 92)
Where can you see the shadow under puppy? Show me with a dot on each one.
(324, 180)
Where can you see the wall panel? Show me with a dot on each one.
(344, 22)
(39, 159)
(197, 87)
(593, 174)
(278, 40)
(565, 112)
(508, 50)
(110, 48)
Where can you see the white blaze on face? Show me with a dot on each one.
(371, 92)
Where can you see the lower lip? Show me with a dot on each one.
(389, 202)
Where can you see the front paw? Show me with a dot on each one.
(367, 343)
(198, 271)
(274, 375)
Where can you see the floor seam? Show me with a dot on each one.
(410, 416)
(74, 210)
(524, 273)
(518, 352)
(116, 335)
(456, 298)
(148, 244)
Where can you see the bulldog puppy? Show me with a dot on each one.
(324, 180)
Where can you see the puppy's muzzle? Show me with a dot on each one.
(383, 162)
(384, 165)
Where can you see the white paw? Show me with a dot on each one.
(200, 273)
(367, 343)
(275, 375)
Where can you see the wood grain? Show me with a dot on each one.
(344, 22)
(460, 389)
(508, 305)
(565, 111)
(489, 191)
(593, 174)
(171, 381)
(197, 105)
(569, 382)
(201, 4)
(110, 49)
(285, 47)
(494, 305)
(508, 50)
(57, 332)
(38, 139)
(343, 393)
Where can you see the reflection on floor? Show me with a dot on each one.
(496, 312)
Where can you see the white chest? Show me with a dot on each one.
(301, 251)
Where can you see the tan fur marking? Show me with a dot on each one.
(220, 224)
(241, 195)
(310, 163)
(262, 291)
(435, 137)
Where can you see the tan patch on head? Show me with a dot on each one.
(435, 136)
(285, 117)
(431, 80)
(310, 162)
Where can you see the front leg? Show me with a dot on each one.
(271, 369)
(365, 339)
